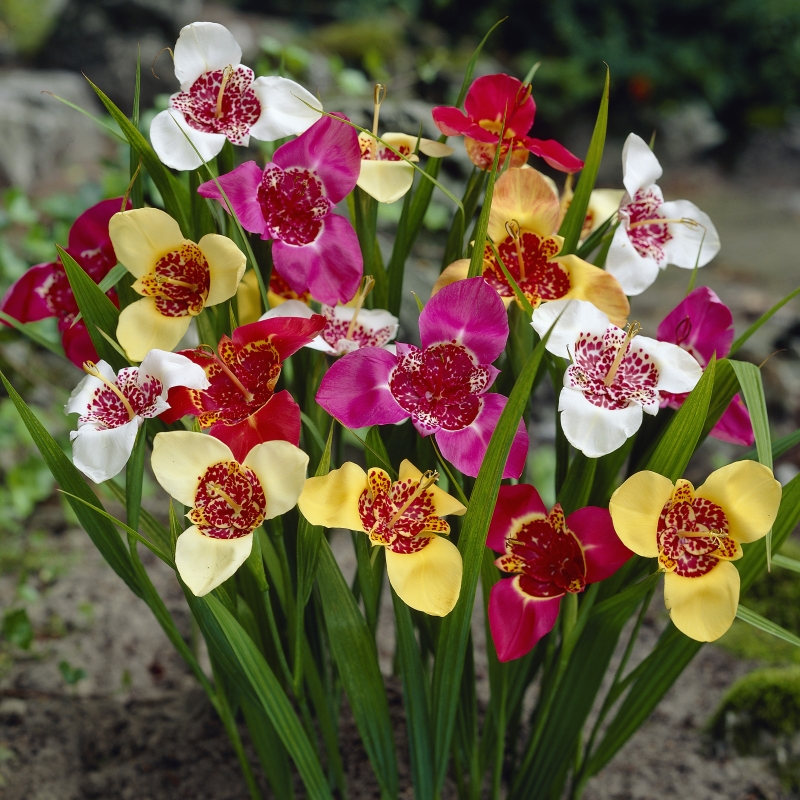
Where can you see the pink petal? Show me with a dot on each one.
(241, 187)
(469, 312)
(330, 267)
(355, 390)
(555, 154)
(517, 620)
(701, 323)
(286, 334)
(513, 502)
(78, 345)
(452, 122)
(90, 229)
(734, 425)
(278, 418)
(22, 301)
(465, 449)
(602, 548)
(494, 96)
(329, 148)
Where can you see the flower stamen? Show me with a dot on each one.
(513, 230)
(378, 96)
(215, 488)
(366, 287)
(692, 223)
(631, 330)
(226, 74)
(91, 369)
(426, 479)
(246, 393)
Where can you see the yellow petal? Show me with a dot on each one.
(599, 287)
(142, 236)
(332, 500)
(435, 149)
(386, 181)
(703, 608)
(457, 271)
(204, 563)
(748, 494)
(443, 503)
(281, 469)
(248, 299)
(428, 580)
(180, 459)
(523, 195)
(602, 204)
(635, 508)
(141, 328)
(226, 263)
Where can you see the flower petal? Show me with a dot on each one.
(171, 369)
(77, 344)
(593, 430)
(513, 503)
(491, 97)
(226, 264)
(598, 287)
(23, 300)
(82, 395)
(204, 563)
(355, 390)
(286, 334)
(443, 503)
(554, 153)
(241, 188)
(735, 425)
(704, 607)
(428, 580)
(470, 313)
(332, 500)
(690, 244)
(102, 454)
(640, 168)
(386, 181)
(634, 272)
(283, 108)
(180, 459)
(465, 449)
(635, 508)
(281, 468)
(204, 47)
(571, 319)
(142, 236)
(678, 370)
(141, 328)
(90, 229)
(453, 122)
(248, 299)
(289, 308)
(748, 494)
(603, 550)
(172, 139)
(523, 195)
(602, 204)
(457, 271)
(517, 620)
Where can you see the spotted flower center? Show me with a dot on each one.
(293, 203)
(229, 502)
(278, 286)
(221, 101)
(440, 386)
(373, 150)
(395, 514)
(482, 153)
(547, 556)
(344, 338)
(528, 259)
(693, 534)
(179, 282)
(107, 409)
(648, 239)
(634, 380)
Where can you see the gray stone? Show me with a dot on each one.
(12, 710)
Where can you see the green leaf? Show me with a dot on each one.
(482, 226)
(98, 312)
(17, 628)
(136, 188)
(519, 294)
(353, 650)
(454, 632)
(465, 84)
(757, 621)
(90, 511)
(572, 225)
(112, 278)
(726, 384)
(594, 239)
(761, 320)
(779, 447)
(577, 486)
(134, 477)
(780, 560)
(677, 445)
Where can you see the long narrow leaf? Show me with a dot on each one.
(757, 621)
(761, 320)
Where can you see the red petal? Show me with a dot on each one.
(286, 334)
(493, 97)
(78, 344)
(602, 548)
(22, 301)
(513, 502)
(555, 154)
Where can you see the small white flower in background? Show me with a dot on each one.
(652, 233)
(113, 406)
(614, 376)
(348, 327)
(220, 99)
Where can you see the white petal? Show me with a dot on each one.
(204, 47)
(283, 110)
(640, 168)
(102, 454)
(678, 370)
(634, 273)
(371, 319)
(579, 316)
(683, 248)
(386, 181)
(281, 468)
(172, 369)
(289, 308)
(204, 563)
(173, 148)
(593, 430)
(82, 395)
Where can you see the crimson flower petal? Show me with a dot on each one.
(241, 187)
(517, 620)
(355, 390)
(77, 344)
(90, 231)
(493, 97)
(470, 313)
(286, 334)
(513, 502)
(452, 122)
(602, 549)
(555, 154)
(734, 425)
(22, 301)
